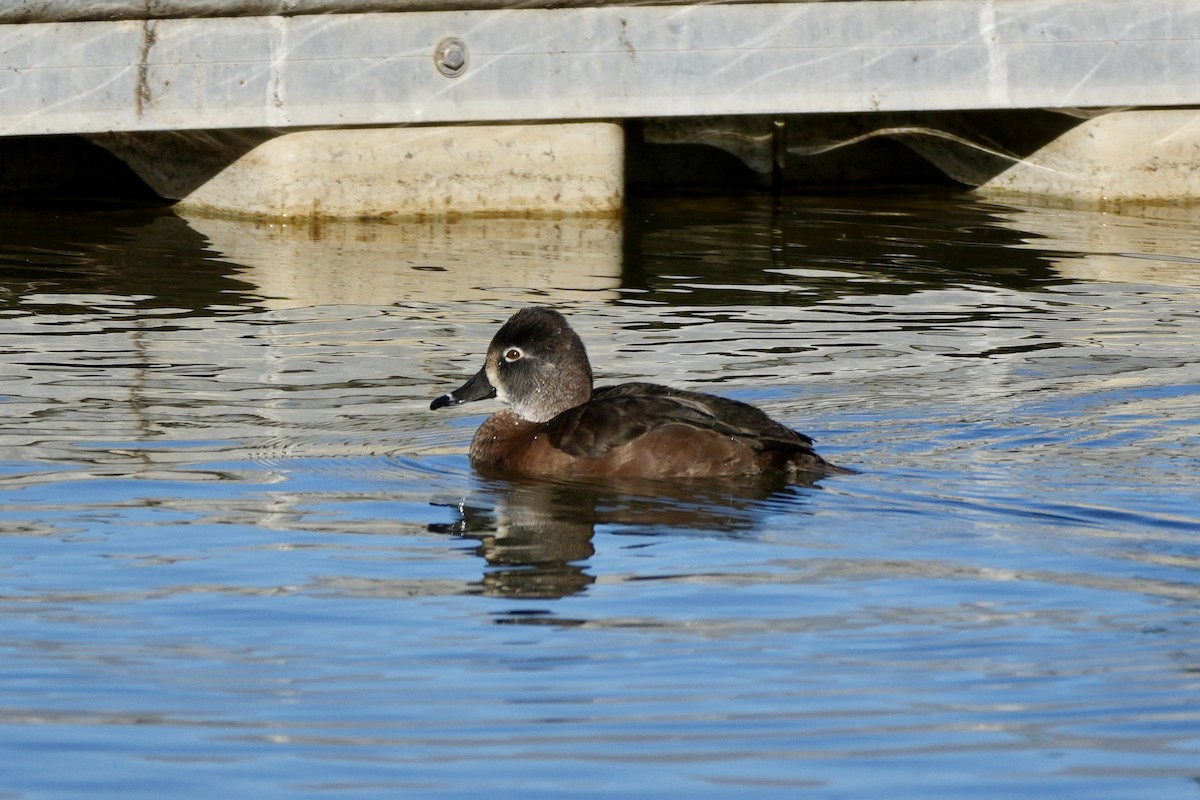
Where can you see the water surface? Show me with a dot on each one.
(239, 555)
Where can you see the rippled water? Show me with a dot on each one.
(240, 557)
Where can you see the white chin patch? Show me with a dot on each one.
(494, 379)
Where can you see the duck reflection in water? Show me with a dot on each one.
(557, 425)
(536, 535)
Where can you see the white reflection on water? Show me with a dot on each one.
(470, 260)
(239, 553)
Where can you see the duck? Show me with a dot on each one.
(557, 425)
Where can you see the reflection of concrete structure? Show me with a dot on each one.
(335, 262)
(1099, 247)
(203, 69)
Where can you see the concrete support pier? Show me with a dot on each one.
(1128, 157)
(1109, 158)
(428, 107)
(548, 169)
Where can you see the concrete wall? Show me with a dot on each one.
(262, 107)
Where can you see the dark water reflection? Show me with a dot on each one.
(238, 555)
(150, 261)
(791, 254)
(536, 535)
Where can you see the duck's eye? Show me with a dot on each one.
(513, 354)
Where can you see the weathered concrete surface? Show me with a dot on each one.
(228, 78)
(1123, 158)
(25, 11)
(563, 169)
(608, 62)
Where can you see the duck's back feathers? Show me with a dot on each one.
(619, 415)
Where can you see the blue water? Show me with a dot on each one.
(240, 557)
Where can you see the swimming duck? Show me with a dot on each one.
(557, 425)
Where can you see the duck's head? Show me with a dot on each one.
(535, 363)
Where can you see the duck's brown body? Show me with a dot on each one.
(640, 430)
(558, 427)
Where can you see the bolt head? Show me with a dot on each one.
(450, 57)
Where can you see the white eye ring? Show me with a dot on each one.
(513, 354)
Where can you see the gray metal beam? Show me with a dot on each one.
(604, 62)
(22, 11)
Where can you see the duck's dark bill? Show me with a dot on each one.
(478, 388)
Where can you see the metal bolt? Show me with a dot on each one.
(450, 57)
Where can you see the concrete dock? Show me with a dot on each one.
(1087, 100)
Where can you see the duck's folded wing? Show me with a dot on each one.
(619, 414)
